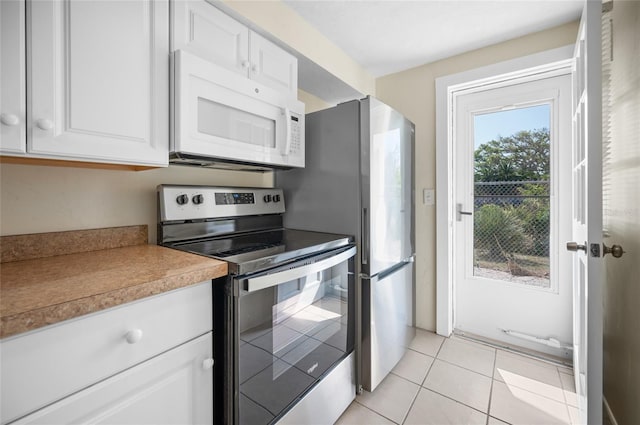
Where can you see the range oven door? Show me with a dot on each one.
(293, 325)
(219, 114)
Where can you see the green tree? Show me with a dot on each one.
(521, 156)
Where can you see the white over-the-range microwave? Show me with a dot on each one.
(224, 120)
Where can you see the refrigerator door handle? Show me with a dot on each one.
(365, 236)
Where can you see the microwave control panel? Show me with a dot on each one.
(295, 134)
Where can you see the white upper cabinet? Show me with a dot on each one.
(204, 30)
(272, 66)
(98, 79)
(12, 77)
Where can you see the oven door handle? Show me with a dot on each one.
(273, 279)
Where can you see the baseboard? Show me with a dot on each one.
(608, 412)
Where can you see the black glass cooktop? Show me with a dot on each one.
(257, 251)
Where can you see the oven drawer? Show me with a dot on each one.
(48, 364)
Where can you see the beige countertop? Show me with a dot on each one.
(42, 291)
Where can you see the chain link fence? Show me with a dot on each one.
(511, 228)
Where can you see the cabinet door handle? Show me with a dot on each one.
(9, 119)
(44, 124)
(207, 364)
(245, 64)
(133, 336)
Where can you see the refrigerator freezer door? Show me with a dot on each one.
(388, 322)
(387, 145)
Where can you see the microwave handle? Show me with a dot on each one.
(274, 279)
(287, 118)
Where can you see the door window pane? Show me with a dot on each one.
(512, 196)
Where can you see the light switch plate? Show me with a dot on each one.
(429, 196)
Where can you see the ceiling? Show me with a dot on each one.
(385, 37)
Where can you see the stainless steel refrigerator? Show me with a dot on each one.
(358, 180)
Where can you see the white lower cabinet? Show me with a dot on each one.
(143, 362)
(173, 388)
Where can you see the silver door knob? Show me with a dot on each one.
(573, 246)
(615, 250)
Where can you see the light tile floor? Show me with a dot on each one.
(456, 381)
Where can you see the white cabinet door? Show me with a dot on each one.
(272, 66)
(173, 388)
(12, 77)
(99, 80)
(202, 29)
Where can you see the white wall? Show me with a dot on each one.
(35, 199)
(311, 102)
(412, 92)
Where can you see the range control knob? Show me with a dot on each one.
(197, 199)
(276, 198)
(182, 199)
(267, 198)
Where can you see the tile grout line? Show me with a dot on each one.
(446, 396)
(377, 413)
(404, 419)
(564, 396)
(406, 415)
(493, 374)
(467, 369)
(454, 400)
(423, 379)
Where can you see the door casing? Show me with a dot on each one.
(446, 87)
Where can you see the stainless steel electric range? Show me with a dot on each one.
(284, 319)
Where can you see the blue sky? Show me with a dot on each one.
(506, 123)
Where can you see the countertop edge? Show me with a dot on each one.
(34, 319)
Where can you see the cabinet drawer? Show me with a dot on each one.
(48, 364)
(173, 388)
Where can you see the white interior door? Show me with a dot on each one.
(512, 276)
(587, 215)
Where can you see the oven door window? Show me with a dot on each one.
(290, 335)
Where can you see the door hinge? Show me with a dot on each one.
(595, 249)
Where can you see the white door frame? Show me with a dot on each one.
(446, 87)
